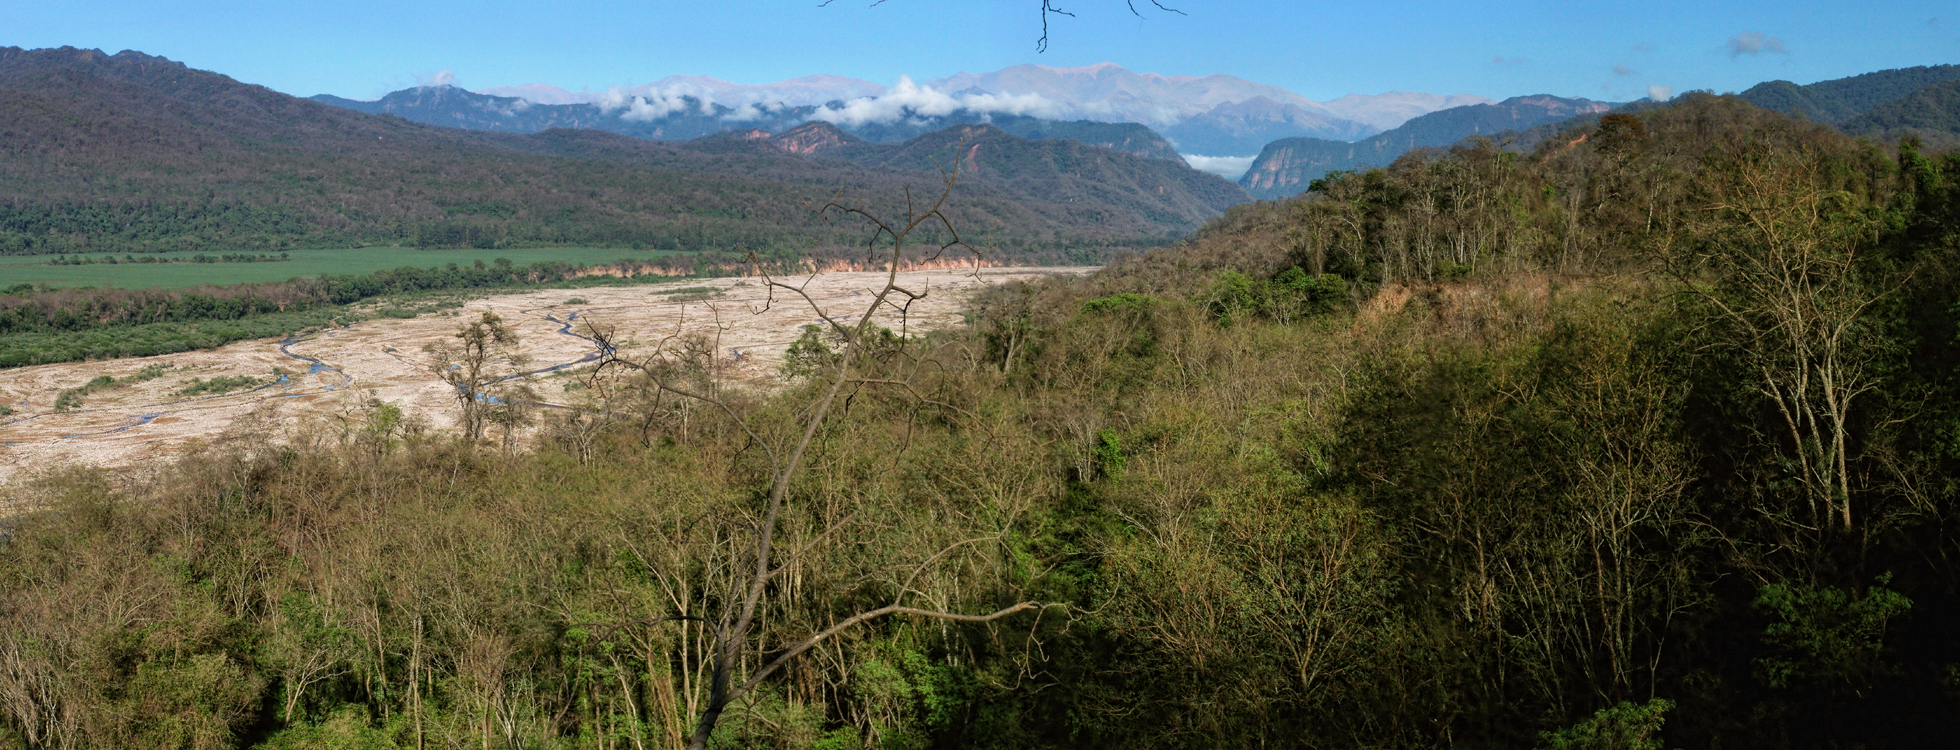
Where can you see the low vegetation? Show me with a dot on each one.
(84, 260)
(222, 384)
(693, 293)
(71, 399)
(39, 325)
(1642, 440)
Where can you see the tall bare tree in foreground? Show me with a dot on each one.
(733, 631)
(1783, 252)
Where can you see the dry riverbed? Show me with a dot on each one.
(337, 371)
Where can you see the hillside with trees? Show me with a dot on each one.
(1841, 99)
(1931, 114)
(1642, 439)
(1286, 167)
(131, 153)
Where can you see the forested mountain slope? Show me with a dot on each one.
(1839, 100)
(1477, 450)
(453, 107)
(1062, 171)
(133, 153)
(1285, 167)
(1931, 113)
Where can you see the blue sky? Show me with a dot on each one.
(1614, 51)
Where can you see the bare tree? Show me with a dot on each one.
(859, 347)
(1783, 253)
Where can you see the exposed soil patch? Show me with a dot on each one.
(338, 370)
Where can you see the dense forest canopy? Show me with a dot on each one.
(1643, 439)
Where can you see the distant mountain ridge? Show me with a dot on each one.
(1109, 91)
(454, 107)
(132, 153)
(1286, 167)
(690, 118)
(1245, 127)
(1104, 92)
(1391, 109)
(807, 90)
(1062, 170)
(1931, 113)
(1837, 100)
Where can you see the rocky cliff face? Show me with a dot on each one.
(812, 139)
(1285, 167)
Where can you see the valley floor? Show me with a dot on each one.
(340, 370)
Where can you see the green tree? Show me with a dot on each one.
(481, 367)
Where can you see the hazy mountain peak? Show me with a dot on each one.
(1241, 128)
(1390, 109)
(540, 93)
(1103, 92)
(811, 90)
(1091, 70)
(1112, 93)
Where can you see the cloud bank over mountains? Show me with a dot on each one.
(910, 100)
(1202, 114)
(1228, 167)
(796, 92)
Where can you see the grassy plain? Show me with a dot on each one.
(35, 269)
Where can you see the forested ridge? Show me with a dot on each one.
(132, 153)
(1885, 105)
(1286, 166)
(1841, 99)
(1644, 439)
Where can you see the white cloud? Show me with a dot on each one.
(436, 79)
(909, 99)
(1659, 93)
(1622, 70)
(1228, 167)
(652, 106)
(745, 113)
(1754, 43)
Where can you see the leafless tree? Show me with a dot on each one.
(1784, 261)
(1050, 8)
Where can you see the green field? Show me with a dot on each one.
(34, 269)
